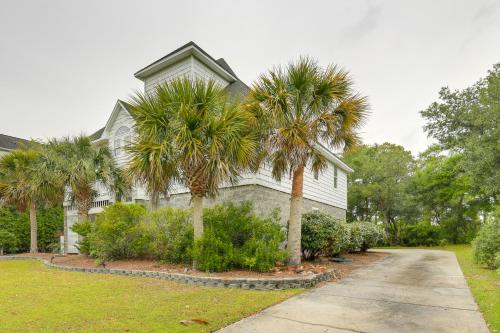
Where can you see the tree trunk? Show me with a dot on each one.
(66, 244)
(295, 219)
(155, 200)
(197, 216)
(34, 229)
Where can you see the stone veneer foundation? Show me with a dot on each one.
(208, 281)
(264, 200)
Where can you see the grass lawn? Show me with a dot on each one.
(484, 283)
(34, 298)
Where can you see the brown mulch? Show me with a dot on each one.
(307, 268)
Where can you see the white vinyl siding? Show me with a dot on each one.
(190, 67)
(119, 134)
(181, 68)
(200, 71)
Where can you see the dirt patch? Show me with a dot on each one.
(307, 268)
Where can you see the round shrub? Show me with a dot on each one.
(234, 237)
(340, 239)
(315, 234)
(322, 234)
(486, 245)
(170, 232)
(116, 233)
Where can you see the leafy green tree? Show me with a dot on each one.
(378, 186)
(466, 121)
(190, 132)
(26, 183)
(301, 107)
(442, 189)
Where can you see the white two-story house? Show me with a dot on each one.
(326, 192)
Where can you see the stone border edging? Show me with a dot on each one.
(207, 281)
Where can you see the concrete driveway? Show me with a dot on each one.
(407, 291)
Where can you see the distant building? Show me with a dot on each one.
(8, 143)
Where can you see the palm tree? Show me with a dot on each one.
(151, 163)
(191, 132)
(302, 107)
(27, 183)
(82, 165)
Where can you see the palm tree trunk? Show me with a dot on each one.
(34, 229)
(295, 220)
(198, 216)
(155, 200)
(65, 245)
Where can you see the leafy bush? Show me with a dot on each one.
(234, 237)
(170, 233)
(365, 235)
(422, 233)
(116, 233)
(486, 245)
(323, 234)
(8, 242)
(50, 227)
(83, 229)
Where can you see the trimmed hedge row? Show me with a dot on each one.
(233, 237)
(323, 234)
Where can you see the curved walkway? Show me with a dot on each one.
(408, 291)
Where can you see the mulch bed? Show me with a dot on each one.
(307, 268)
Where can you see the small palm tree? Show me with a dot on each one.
(82, 165)
(191, 133)
(26, 183)
(302, 107)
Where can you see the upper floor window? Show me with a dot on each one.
(122, 139)
(335, 176)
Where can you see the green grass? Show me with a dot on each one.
(484, 284)
(34, 298)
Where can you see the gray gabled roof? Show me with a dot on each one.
(8, 142)
(96, 135)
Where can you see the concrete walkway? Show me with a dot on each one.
(408, 291)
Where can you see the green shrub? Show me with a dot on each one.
(234, 237)
(323, 234)
(365, 235)
(420, 234)
(316, 232)
(83, 229)
(486, 245)
(8, 242)
(171, 234)
(118, 234)
(50, 227)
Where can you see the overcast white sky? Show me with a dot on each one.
(64, 63)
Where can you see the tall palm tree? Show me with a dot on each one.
(82, 165)
(151, 164)
(191, 133)
(27, 183)
(301, 107)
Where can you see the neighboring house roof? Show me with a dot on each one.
(8, 142)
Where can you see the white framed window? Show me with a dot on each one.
(335, 176)
(122, 138)
(117, 148)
